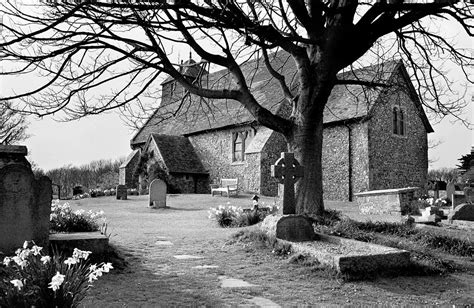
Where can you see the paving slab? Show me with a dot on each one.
(205, 267)
(227, 282)
(187, 257)
(264, 302)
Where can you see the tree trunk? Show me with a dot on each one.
(307, 144)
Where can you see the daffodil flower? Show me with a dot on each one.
(17, 283)
(6, 261)
(56, 281)
(45, 259)
(70, 261)
(36, 250)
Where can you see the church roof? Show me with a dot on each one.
(178, 154)
(196, 114)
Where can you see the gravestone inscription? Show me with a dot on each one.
(25, 202)
(157, 194)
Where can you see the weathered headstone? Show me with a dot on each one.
(295, 229)
(157, 194)
(462, 212)
(291, 227)
(287, 170)
(121, 192)
(450, 190)
(25, 203)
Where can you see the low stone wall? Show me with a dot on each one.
(95, 242)
(387, 202)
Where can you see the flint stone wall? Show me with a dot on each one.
(397, 161)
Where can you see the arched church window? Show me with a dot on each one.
(395, 120)
(237, 151)
(399, 120)
(240, 142)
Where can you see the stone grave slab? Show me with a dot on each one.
(352, 257)
(227, 282)
(187, 257)
(157, 194)
(95, 242)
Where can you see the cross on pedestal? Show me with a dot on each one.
(288, 171)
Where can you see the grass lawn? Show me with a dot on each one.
(154, 277)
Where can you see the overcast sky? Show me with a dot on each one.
(54, 144)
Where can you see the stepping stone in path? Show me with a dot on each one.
(264, 302)
(234, 283)
(163, 243)
(187, 257)
(205, 266)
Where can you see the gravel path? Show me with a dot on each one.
(154, 242)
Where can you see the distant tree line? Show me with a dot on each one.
(99, 174)
(451, 174)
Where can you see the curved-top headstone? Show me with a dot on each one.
(463, 211)
(25, 203)
(157, 194)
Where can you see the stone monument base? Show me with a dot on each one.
(293, 228)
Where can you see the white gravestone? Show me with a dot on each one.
(157, 194)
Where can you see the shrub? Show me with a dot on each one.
(231, 216)
(64, 219)
(225, 216)
(33, 279)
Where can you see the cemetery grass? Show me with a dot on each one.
(148, 239)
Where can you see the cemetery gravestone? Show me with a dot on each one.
(462, 212)
(121, 193)
(287, 170)
(450, 190)
(25, 202)
(291, 227)
(157, 194)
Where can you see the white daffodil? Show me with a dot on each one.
(36, 250)
(56, 281)
(6, 261)
(107, 267)
(71, 261)
(45, 259)
(17, 283)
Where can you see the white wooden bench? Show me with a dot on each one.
(229, 186)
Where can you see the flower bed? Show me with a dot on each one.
(34, 279)
(64, 219)
(233, 216)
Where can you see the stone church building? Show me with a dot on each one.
(373, 138)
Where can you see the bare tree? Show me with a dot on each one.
(13, 125)
(85, 48)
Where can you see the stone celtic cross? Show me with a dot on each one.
(287, 170)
